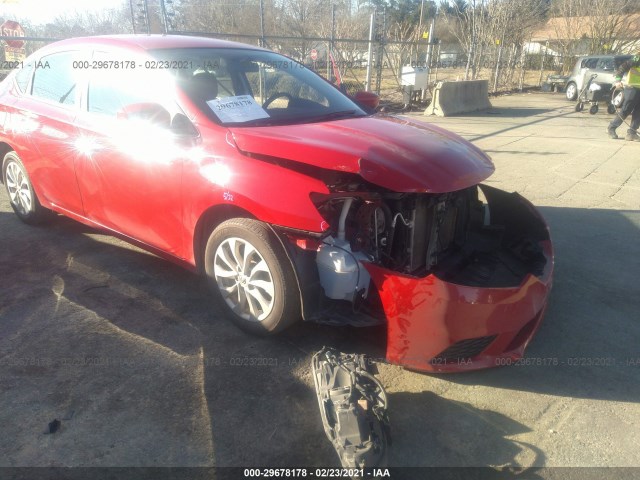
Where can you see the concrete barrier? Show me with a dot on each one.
(450, 98)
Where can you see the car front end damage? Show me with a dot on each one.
(481, 303)
(409, 236)
(461, 279)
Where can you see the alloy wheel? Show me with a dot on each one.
(244, 279)
(18, 188)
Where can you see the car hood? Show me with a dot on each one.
(392, 152)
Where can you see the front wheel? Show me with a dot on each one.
(252, 277)
(571, 92)
(22, 196)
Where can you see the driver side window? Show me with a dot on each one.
(281, 88)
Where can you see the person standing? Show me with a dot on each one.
(630, 104)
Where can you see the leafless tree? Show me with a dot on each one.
(595, 26)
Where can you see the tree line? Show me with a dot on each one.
(474, 28)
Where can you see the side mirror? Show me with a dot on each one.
(153, 113)
(369, 100)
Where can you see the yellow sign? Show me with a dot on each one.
(425, 35)
(14, 54)
(497, 41)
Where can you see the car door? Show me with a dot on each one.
(605, 70)
(588, 67)
(45, 115)
(130, 173)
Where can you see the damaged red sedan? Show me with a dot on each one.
(296, 201)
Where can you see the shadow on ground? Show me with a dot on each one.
(587, 344)
(259, 404)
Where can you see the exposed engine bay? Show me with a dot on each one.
(479, 236)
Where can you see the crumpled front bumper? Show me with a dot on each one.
(437, 326)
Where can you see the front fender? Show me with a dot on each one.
(269, 192)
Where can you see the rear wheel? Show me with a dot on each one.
(252, 276)
(571, 92)
(579, 106)
(594, 109)
(22, 197)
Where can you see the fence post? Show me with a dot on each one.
(544, 55)
(370, 53)
(435, 80)
(381, 50)
(495, 80)
(262, 41)
(523, 60)
(430, 48)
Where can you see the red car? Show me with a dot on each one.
(296, 201)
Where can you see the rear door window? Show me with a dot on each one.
(605, 64)
(23, 76)
(590, 63)
(112, 89)
(56, 80)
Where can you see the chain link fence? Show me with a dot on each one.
(511, 68)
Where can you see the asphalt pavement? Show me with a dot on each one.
(130, 353)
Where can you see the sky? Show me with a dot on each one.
(41, 11)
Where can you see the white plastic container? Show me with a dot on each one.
(341, 273)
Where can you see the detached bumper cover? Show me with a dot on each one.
(438, 326)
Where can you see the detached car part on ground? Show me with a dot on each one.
(353, 406)
(291, 198)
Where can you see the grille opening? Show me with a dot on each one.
(464, 349)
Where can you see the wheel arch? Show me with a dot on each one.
(4, 149)
(215, 215)
(208, 221)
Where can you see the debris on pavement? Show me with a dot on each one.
(353, 406)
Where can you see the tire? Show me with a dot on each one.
(611, 109)
(251, 276)
(572, 91)
(22, 196)
(579, 107)
(594, 109)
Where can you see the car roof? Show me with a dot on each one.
(145, 42)
(607, 56)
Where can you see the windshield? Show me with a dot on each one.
(243, 87)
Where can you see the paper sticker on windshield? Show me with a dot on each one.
(242, 108)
